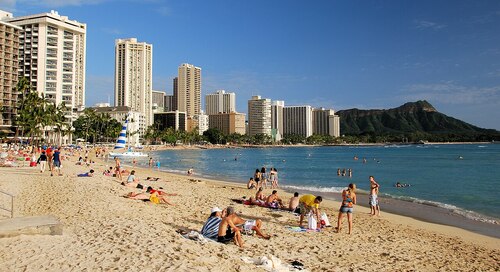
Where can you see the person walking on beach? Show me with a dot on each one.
(374, 188)
(56, 163)
(264, 176)
(150, 162)
(347, 206)
(42, 160)
(307, 204)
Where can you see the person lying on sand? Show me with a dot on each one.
(154, 197)
(152, 178)
(259, 199)
(88, 174)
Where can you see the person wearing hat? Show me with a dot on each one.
(211, 227)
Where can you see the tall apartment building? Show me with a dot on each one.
(158, 101)
(297, 120)
(201, 121)
(277, 119)
(228, 123)
(325, 122)
(220, 102)
(175, 91)
(134, 77)
(189, 89)
(52, 57)
(9, 50)
(259, 116)
(169, 102)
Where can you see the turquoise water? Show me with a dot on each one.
(462, 178)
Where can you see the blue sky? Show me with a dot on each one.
(332, 54)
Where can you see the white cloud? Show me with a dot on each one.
(450, 93)
(423, 24)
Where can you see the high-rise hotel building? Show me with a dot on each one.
(9, 50)
(259, 116)
(297, 120)
(277, 119)
(134, 77)
(220, 102)
(187, 93)
(52, 57)
(325, 122)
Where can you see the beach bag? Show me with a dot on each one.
(311, 222)
(324, 219)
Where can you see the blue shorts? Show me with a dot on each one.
(57, 163)
(346, 210)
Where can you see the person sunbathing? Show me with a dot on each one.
(88, 174)
(259, 199)
(152, 178)
(274, 201)
(154, 197)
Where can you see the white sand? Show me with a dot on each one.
(104, 231)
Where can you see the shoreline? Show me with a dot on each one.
(418, 211)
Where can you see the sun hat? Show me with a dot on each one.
(215, 209)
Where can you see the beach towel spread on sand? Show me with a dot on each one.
(302, 229)
(272, 264)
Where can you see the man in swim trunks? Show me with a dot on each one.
(274, 201)
(294, 202)
(228, 230)
(308, 203)
(374, 188)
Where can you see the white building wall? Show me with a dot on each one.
(259, 116)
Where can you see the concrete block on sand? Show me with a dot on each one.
(30, 225)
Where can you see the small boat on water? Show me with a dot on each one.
(121, 144)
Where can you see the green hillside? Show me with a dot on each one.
(417, 120)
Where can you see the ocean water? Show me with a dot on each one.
(462, 178)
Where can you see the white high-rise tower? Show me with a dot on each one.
(134, 77)
(52, 57)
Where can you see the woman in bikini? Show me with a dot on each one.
(348, 201)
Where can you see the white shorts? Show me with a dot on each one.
(249, 225)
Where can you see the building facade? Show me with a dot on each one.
(228, 123)
(136, 120)
(158, 100)
(9, 60)
(220, 102)
(297, 120)
(134, 77)
(325, 122)
(203, 122)
(277, 119)
(189, 89)
(173, 119)
(259, 116)
(175, 91)
(52, 57)
(168, 103)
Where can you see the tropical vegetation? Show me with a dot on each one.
(38, 118)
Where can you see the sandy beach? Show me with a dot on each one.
(105, 231)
